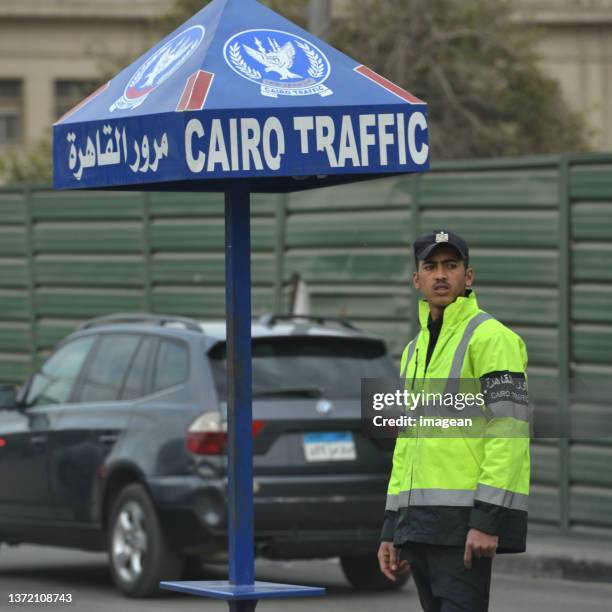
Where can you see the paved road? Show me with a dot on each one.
(31, 569)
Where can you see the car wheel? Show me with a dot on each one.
(363, 572)
(139, 556)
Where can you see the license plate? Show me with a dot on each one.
(329, 446)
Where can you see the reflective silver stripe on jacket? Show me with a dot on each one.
(410, 354)
(502, 497)
(436, 497)
(511, 409)
(458, 497)
(459, 356)
(393, 502)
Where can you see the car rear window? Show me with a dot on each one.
(309, 366)
(55, 380)
(172, 364)
(107, 369)
(134, 385)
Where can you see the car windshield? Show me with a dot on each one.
(307, 367)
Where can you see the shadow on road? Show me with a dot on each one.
(59, 570)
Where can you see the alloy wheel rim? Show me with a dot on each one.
(129, 542)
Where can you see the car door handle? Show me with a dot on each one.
(108, 438)
(38, 440)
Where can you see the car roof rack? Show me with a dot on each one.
(270, 320)
(133, 317)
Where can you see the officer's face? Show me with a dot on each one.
(442, 277)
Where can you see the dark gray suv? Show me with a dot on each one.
(118, 443)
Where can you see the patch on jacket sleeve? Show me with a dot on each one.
(505, 394)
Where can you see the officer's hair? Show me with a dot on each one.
(466, 264)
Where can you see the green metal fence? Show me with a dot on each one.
(540, 232)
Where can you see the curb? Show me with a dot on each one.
(560, 567)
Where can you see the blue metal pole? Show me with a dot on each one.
(239, 410)
(241, 591)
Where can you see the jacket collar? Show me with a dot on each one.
(462, 309)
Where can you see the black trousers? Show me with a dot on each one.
(442, 581)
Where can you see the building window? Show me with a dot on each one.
(69, 93)
(10, 112)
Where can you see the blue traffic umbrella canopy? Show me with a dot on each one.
(239, 92)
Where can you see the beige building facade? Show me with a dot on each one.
(54, 52)
(576, 49)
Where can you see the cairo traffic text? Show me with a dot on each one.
(386, 140)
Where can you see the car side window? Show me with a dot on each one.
(108, 368)
(171, 365)
(54, 382)
(134, 385)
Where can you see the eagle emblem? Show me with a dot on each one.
(281, 63)
(168, 59)
(278, 59)
(159, 67)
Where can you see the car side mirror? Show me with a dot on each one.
(8, 398)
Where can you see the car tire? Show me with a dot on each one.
(363, 572)
(139, 556)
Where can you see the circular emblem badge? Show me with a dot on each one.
(282, 64)
(324, 407)
(160, 67)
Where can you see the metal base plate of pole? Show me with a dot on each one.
(241, 598)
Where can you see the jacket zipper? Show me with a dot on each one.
(416, 367)
(418, 428)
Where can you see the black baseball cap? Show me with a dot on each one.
(424, 245)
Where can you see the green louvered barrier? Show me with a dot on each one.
(519, 305)
(13, 304)
(188, 205)
(13, 242)
(13, 366)
(590, 456)
(14, 337)
(12, 205)
(88, 238)
(474, 188)
(591, 506)
(392, 194)
(544, 504)
(66, 257)
(357, 303)
(178, 269)
(84, 303)
(371, 266)
(592, 221)
(211, 301)
(365, 230)
(186, 235)
(89, 271)
(499, 228)
(72, 207)
(13, 272)
(545, 463)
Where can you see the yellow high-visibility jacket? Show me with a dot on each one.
(442, 486)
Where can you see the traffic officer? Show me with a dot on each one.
(453, 502)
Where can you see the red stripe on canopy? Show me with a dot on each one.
(388, 85)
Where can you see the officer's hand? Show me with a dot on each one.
(389, 562)
(478, 544)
